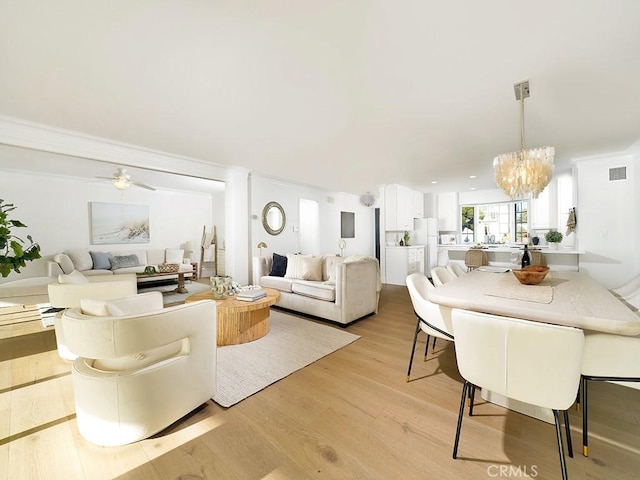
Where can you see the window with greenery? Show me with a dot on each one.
(496, 222)
(468, 223)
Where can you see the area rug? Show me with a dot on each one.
(292, 344)
(170, 297)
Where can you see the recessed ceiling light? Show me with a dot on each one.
(434, 181)
(472, 176)
(473, 188)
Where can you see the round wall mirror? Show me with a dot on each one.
(273, 218)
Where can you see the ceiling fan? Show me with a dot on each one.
(122, 180)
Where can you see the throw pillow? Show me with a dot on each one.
(312, 268)
(294, 266)
(174, 256)
(64, 261)
(73, 278)
(95, 308)
(123, 261)
(278, 266)
(81, 259)
(101, 260)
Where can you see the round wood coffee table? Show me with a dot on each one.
(238, 321)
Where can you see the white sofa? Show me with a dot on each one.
(345, 289)
(118, 262)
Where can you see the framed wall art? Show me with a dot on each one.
(114, 223)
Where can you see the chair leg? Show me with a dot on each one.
(426, 347)
(413, 348)
(567, 430)
(472, 398)
(433, 347)
(585, 434)
(465, 388)
(563, 463)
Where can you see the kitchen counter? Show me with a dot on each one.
(510, 249)
(566, 259)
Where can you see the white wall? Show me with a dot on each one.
(56, 212)
(265, 189)
(607, 213)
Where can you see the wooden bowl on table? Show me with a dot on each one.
(531, 274)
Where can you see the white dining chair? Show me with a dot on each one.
(610, 358)
(629, 289)
(456, 269)
(502, 354)
(440, 276)
(432, 319)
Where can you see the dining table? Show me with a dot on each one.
(572, 299)
(568, 298)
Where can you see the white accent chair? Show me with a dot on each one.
(98, 287)
(440, 276)
(456, 269)
(432, 319)
(140, 367)
(502, 355)
(610, 358)
(630, 292)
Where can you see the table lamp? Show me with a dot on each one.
(261, 245)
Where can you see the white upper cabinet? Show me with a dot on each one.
(418, 204)
(399, 207)
(448, 212)
(544, 209)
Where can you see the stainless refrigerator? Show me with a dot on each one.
(425, 232)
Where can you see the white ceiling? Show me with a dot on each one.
(341, 95)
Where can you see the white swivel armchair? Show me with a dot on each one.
(432, 319)
(607, 357)
(98, 287)
(440, 276)
(140, 367)
(502, 354)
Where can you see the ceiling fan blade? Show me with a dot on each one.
(105, 178)
(142, 185)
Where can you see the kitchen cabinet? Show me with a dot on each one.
(418, 204)
(398, 208)
(448, 212)
(402, 261)
(544, 209)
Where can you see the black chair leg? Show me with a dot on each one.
(465, 388)
(433, 347)
(563, 463)
(426, 347)
(585, 434)
(413, 348)
(567, 430)
(472, 398)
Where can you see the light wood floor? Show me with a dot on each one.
(350, 415)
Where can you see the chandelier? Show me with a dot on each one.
(526, 173)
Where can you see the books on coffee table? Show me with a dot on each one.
(251, 295)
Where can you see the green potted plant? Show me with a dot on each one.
(553, 238)
(13, 254)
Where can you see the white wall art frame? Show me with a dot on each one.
(116, 223)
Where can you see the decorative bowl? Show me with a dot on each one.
(531, 274)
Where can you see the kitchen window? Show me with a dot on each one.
(495, 223)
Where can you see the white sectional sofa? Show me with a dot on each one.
(118, 262)
(339, 289)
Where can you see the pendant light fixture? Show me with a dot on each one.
(525, 173)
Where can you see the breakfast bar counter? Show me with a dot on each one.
(564, 298)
